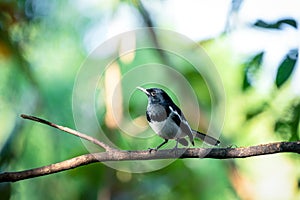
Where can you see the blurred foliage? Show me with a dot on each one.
(251, 69)
(276, 25)
(288, 124)
(286, 68)
(43, 44)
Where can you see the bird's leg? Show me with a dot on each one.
(176, 146)
(155, 149)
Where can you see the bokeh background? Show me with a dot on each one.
(253, 44)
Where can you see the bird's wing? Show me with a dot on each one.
(181, 122)
(206, 138)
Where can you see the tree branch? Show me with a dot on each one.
(118, 155)
(68, 130)
(113, 154)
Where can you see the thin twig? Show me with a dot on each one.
(117, 155)
(69, 130)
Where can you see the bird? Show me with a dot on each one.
(168, 121)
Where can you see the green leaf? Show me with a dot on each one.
(276, 25)
(251, 69)
(286, 68)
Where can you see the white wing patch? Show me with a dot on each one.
(184, 126)
(175, 112)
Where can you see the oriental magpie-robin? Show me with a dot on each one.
(167, 120)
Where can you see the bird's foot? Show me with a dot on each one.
(152, 149)
(175, 151)
(232, 146)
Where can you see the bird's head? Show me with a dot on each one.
(156, 95)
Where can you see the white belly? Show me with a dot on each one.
(167, 130)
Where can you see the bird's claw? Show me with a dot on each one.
(152, 149)
(232, 146)
(175, 151)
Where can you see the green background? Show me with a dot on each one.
(42, 46)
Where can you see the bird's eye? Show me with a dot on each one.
(153, 93)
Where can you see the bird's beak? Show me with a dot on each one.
(143, 90)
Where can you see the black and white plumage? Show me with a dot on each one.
(167, 120)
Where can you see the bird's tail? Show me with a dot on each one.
(206, 138)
